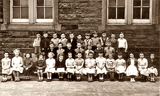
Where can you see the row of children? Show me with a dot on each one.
(109, 45)
(79, 66)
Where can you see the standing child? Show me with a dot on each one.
(63, 40)
(113, 41)
(132, 67)
(110, 65)
(50, 66)
(90, 64)
(104, 39)
(36, 44)
(69, 50)
(27, 65)
(55, 40)
(40, 67)
(97, 50)
(87, 41)
(60, 67)
(72, 40)
(70, 66)
(6, 64)
(88, 51)
(122, 45)
(152, 68)
(142, 67)
(95, 40)
(101, 70)
(79, 62)
(109, 50)
(60, 50)
(45, 43)
(120, 66)
(79, 40)
(79, 49)
(17, 63)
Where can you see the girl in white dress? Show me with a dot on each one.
(120, 66)
(50, 66)
(79, 62)
(70, 66)
(101, 70)
(6, 61)
(142, 67)
(90, 64)
(132, 67)
(17, 63)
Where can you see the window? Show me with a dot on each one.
(142, 11)
(32, 11)
(20, 11)
(44, 11)
(116, 11)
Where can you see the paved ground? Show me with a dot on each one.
(83, 88)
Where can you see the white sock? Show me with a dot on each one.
(50, 78)
(42, 78)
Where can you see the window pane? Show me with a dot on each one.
(40, 13)
(112, 13)
(16, 12)
(48, 2)
(48, 13)
(146, 2)
(136, 13)
(24, 2)
(24, 13)
(112, 2)
(16, 2)
(137, 3)
(40, 2)
(145, 13)
(120, 2)
(120, 13)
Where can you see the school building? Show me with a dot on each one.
(20, 20)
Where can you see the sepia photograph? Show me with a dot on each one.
(79, 47)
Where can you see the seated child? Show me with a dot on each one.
(6, 64)
(101, 70)
(34, 61)
(55, 40)
(40, 67)
(132, 67)
(97, 50)
(120, 66)
(60, 50)
(79, 49)
(63, 40)
(90, 64)
(87, 40)
(109, 50)
(52, 49)
(142, 67)
(95, 40)
(110, 65)
(50, 66)
(152, 68)
(88, 51)
(17, 63)
(69, 50)
(27, 65)
(79, 62)
(70, 66)
(60, 67)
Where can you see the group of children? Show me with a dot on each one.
(92, 56)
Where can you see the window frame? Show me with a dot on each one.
(43, 20)
(12, 20)
(117, 21)
(143, 21)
